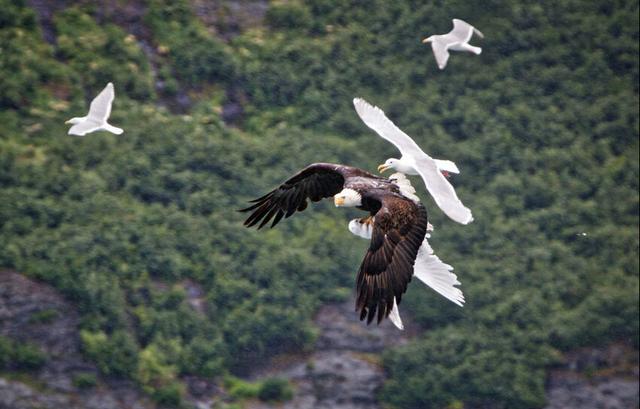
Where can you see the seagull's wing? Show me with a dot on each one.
(439, 187)
(100, 107)
(394, 316)
(440, 46)
(375, 119)
(436, 274)
(462, 30)
(84, 127)
(441, 190)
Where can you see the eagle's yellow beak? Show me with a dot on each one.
(382, 168)
(338, 201)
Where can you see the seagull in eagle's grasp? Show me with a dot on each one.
(457, 40)
(414, 161)
(96, 119)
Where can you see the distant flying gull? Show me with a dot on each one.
(457, 40)
(397, 226)
(415, 162)
(99, 112)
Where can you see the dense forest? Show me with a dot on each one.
(543, 125)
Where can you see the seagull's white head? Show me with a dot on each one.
(347, 198)
(398, 164)
(74, 120)
(390, 163)
(428, 39)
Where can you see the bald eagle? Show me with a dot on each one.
(396, 226)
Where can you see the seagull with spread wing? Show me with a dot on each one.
(457, 40)
(415, 162)
(96, 119)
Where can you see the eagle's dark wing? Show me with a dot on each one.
(398, 231)
(315, 182)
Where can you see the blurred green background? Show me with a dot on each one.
(543, 125)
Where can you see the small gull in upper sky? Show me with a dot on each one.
(457, 40)
(96, 119)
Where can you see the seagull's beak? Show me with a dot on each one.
(426, 40)
(382, 168)
(67, 122)
(338, 201)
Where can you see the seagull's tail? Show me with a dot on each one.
(394, 316)
(475, 50)
(447, 166)
(113, 129)
(437, 275)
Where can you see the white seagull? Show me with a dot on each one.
(96, 119)
(457, 40)
(415, 162)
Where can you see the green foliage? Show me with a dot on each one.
(275, 389)
(43, 316)
(85, 380)
(19, 355)
(195, 55)
(268, 390)
(169, 395)
(140, 230)
(240, 389)
(82, 43)
(115, 354)
(474, 365)
(30, 73)
(285, 16)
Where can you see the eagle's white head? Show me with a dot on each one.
(347, 198)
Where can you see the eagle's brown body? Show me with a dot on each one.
(399, 227)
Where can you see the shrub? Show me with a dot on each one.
(288, 16)
(169, 395)
(114, 354)
(43, 316)
(85, 380)
(20, 355)
(27, 356)
(240, 389)
(275, 389)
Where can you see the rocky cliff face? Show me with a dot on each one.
(593, 378)
(342, 372)
(32, 312)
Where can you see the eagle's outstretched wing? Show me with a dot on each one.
(315, 182)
